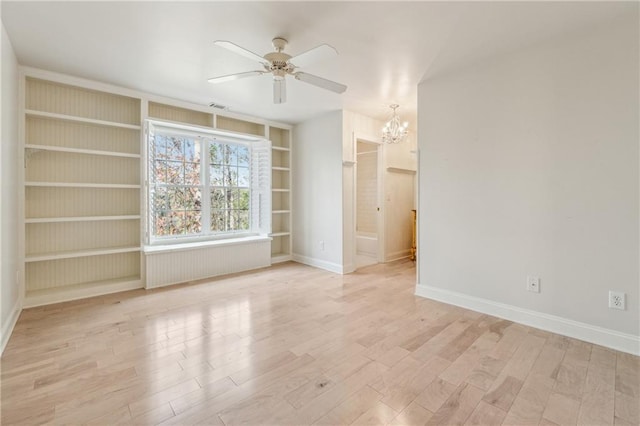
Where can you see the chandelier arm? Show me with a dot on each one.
(393, 131)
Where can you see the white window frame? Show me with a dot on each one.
(259, 185)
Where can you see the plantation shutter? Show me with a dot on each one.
(147, 207)
(261, 185)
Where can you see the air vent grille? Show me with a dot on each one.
(218, 106)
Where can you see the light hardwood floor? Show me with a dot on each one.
(296, 345)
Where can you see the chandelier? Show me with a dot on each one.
(393, 131)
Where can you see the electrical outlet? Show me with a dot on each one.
(533, 284)
(617, 300)
(322, 245)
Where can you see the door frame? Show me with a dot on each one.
(380, 225)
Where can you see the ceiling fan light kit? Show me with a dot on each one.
(393, 131)
(281, 64)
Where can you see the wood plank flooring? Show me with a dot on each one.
(297, 345)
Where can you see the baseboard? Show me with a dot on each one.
(593, 334)
(7, 329)
(317, 263)
(348, 268)
(280, 258)
(397, 255)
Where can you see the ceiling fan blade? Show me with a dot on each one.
(320, 82)
(237, 76)
(279, 91)
(240, 51)
(318, 53)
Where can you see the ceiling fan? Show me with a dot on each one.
(280, 64)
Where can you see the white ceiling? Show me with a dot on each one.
(386, 48)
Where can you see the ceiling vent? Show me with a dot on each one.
(218, 106)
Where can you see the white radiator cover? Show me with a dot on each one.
(169, 266)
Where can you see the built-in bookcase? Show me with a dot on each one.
(82, 191)
(281, 193)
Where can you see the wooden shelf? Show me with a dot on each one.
(80, 219)
(80, 291)
(82, 185)
(55, 116)
(280, 211)
(401, 170)
(281, 169)
(279, 234)
(279, 148)
(80, 151)
(79, 253)
(280, 190)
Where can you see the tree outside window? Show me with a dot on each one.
(229, 184)
(180, 177)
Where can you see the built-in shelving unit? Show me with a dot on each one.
(281, 193)
(82, 182)
(82, 190)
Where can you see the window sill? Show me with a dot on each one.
(203, 244)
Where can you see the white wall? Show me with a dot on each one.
(317, 191)
(529, 166)
(10, 298)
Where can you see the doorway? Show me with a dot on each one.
(368, 215)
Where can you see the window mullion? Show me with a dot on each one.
(204, 187)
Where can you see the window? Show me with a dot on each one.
(229, 179)
(204, 184)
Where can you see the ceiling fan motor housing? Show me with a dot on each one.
(278, 60)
